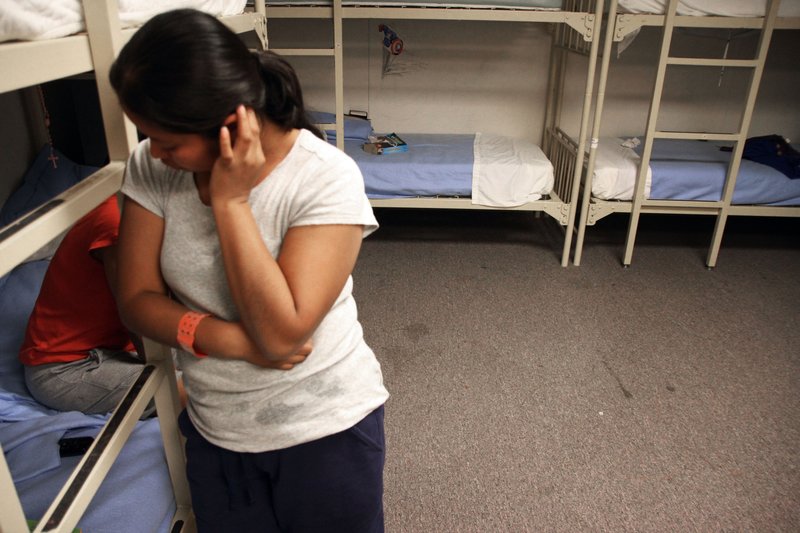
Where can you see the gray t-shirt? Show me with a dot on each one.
(237, 405)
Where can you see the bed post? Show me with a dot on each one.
(598, 115)
(581, 151)
(106, 39)
(12, 517)
(168, 407)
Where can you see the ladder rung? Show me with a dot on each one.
(303, 51)
(704, 62)
(697, 136)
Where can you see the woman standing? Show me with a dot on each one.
(239, 233)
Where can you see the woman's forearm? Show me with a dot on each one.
(258, 285)
(156, 316)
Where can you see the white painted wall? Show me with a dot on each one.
(450, 78)
(468, 76)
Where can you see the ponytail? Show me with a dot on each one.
(284, 97)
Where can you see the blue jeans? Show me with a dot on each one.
(330, 485)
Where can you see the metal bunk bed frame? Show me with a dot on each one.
(37, 62)
(621, 25)
(577, 31)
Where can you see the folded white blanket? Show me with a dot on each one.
(48, 19)
(615, 167)
(509, 172)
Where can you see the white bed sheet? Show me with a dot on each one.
(508, 172)
(30, 20)
(723, 8)
(539, 5)
(615, 168)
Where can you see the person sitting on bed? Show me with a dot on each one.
(236, 205)
(77, 354)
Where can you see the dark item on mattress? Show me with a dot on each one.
(385, 144)
(774, 151)
(72, 446)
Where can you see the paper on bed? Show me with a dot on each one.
(509, 172)
(615, 169)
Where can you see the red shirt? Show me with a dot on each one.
(76, 311)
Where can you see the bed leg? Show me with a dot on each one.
(168, 406)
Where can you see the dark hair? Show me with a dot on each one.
(185, 72)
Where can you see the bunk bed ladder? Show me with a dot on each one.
(722, 207)
(337, 53)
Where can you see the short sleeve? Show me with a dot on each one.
(335, 196)
(104, 220)
(145, 179)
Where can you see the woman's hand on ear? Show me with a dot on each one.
(241, 160)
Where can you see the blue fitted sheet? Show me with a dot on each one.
(135, 496)
(435, 165)
(695, 170)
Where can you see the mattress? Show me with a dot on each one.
(30, 20)
(484, 4)
(687, 170)
(135, 496)
(493, 170)
(723, 8)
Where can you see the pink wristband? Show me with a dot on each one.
(186, 330)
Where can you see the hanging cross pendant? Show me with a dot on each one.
(53, 158)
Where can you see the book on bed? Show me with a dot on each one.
(385, 144)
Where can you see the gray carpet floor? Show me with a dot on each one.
(531, 397)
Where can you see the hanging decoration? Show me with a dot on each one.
(392, 47)
(391, 41)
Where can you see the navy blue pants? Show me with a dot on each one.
(330, 485)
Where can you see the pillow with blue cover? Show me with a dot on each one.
(355, 128)
(43, 182)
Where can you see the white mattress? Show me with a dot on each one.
(539, 5)
(30, 20)
(724, 8)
